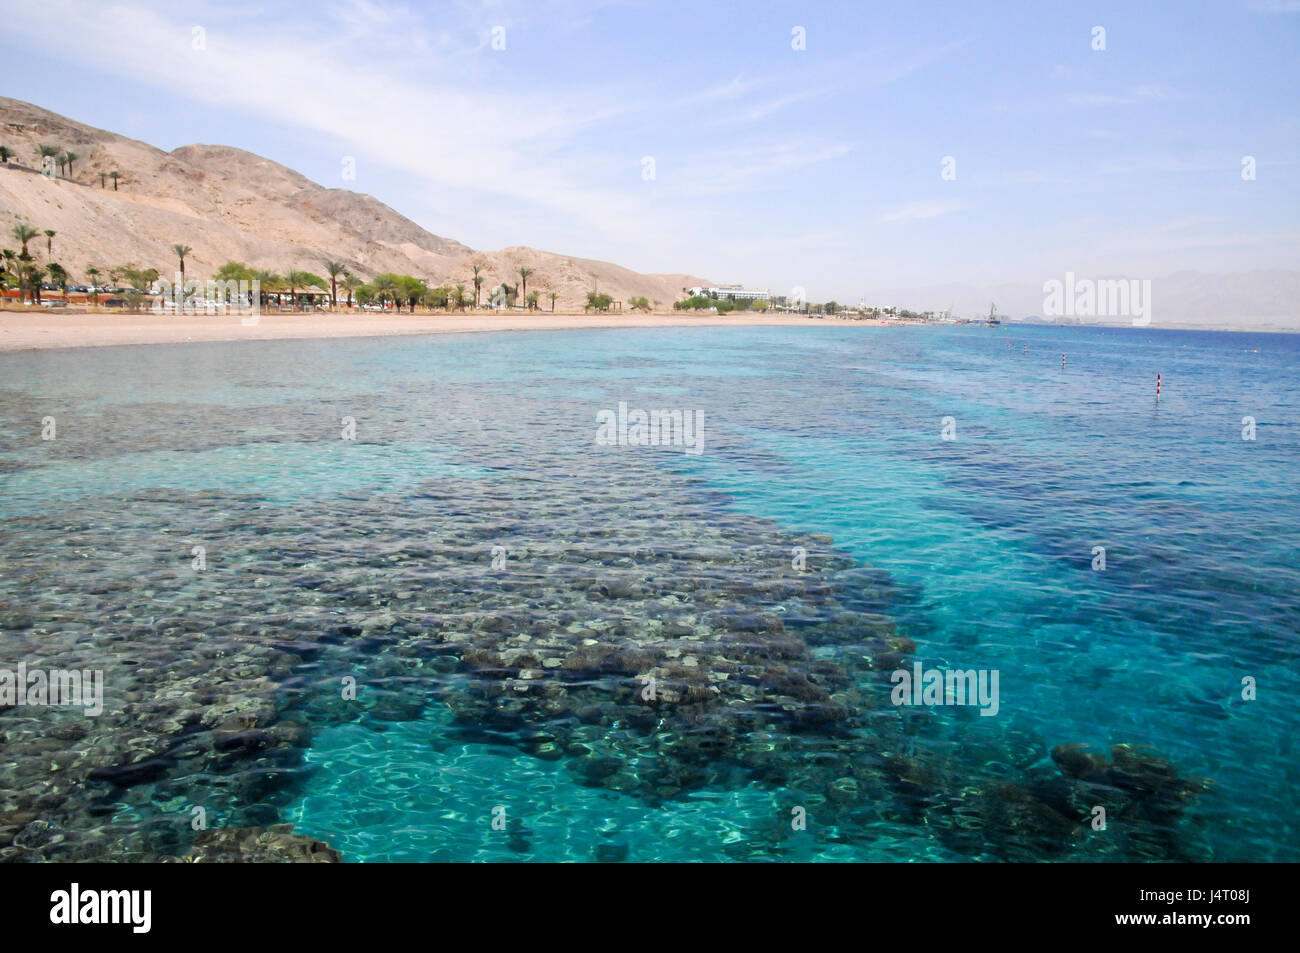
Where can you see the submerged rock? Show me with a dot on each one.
(275, 844)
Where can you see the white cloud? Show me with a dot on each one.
(493, 143)
(741, 168)
(920, 212)
(1136, 95)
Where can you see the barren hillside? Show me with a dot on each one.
(228, 204)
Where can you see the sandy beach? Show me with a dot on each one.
(35, 329)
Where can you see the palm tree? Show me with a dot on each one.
(49, 242)
(553, 297)
(59, 276)
(19, 271)
(297, 279)
(6, 154)
(181, 251)
(93, 274)
(139, 281)
(523, 276)
(385, 287)
(48, 152)
(352, 283)
(115, 175)
(24, 233)
(267, 283)
(291, 278)
(102, 177)
(334, 268)
(415, 290)
(478, 282)
(31, 276)
(460, 296)
(70, 157)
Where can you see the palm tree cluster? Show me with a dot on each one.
(63, 159)
(386, 290)
(63, 162)
(21, 269)
(508, 295)
(405, 291)
(287, 289)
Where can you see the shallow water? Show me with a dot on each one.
(516, 690)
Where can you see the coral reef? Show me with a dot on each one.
(275, 845)
(646, 655)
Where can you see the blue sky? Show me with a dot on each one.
(773, 166)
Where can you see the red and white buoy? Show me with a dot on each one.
(1157, 388)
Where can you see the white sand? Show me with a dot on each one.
(38, 328)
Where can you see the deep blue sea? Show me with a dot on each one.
(499, 588)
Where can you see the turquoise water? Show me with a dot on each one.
(515, 691)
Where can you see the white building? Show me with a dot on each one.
(730, 293)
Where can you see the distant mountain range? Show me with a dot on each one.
(228, 204)
(1265, 300)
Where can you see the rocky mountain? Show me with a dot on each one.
(228, 204)
(1262, 300)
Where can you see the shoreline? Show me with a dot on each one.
(41, 330)
(30, 330)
